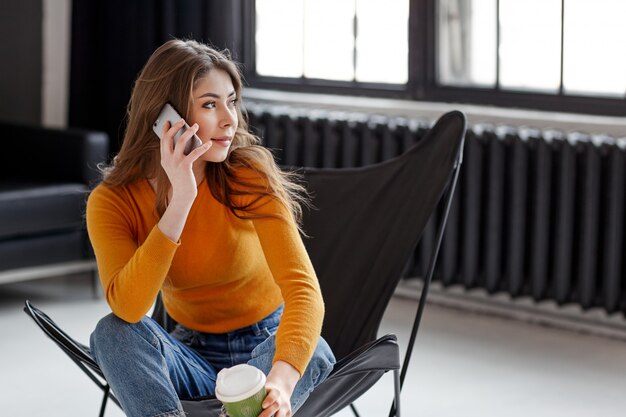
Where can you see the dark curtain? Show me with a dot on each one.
(111, 41)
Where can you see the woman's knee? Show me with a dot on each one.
(111, 332)
(318, 369)
(105, 330)
(322, 362)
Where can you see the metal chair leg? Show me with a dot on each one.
(396, 388)
(354, 410)
(395, 407)
(104, 400)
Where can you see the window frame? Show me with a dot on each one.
(422, 84)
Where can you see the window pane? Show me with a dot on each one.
(382, 41)
(329, 39)
(530, 44)
(279, 40)
(466, 50)
(594, 57)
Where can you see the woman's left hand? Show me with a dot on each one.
(280, 384)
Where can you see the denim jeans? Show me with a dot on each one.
(150, 370)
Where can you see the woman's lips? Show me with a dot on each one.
(225, 141)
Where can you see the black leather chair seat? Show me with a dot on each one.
(28, 208)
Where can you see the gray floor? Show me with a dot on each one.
(464, 364)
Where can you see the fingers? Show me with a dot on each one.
(170, 145)
(275, 405)
(268, 402)
(166, 141)
(197, 152)
(270, 411)
(168, 134)
(181, 142)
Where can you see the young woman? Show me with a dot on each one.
(216, 232)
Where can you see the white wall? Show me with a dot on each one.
(55, 62)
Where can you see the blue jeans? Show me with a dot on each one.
(150, 370)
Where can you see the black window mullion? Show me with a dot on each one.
(249, 38)
(303, 19)
(422, 45)
(561, 88)
(413, 45)
(497, 86)
(355, 33)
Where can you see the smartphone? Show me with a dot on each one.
(169, 114)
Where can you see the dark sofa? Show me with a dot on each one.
(45, 175)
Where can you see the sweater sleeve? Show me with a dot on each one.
(301, 324)
(286, 256)
(131, 274)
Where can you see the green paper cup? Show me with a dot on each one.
(242, 390)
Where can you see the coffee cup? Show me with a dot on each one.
(241, 389)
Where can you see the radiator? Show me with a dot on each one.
(536, 213)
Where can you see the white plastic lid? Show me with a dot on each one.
(238, 383)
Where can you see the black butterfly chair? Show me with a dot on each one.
(366, 225)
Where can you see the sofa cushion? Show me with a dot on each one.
(32, 208)
(44, 250)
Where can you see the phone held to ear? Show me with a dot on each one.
(169, 114)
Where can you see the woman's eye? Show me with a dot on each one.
(234, 102)
(210, 105)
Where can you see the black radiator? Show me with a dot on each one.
(536, 213)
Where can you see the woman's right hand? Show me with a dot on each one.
(177, 165)
(179, 170)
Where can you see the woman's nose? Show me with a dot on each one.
(228, 117)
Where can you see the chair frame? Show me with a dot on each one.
(448, 200)
(77, 352)
(81, 355)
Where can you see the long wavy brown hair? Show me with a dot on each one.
(171, 74)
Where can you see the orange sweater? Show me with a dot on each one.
(224, 274)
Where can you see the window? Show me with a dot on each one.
(570, 46)
(547, 54)
(594, 62)
(343, 40)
